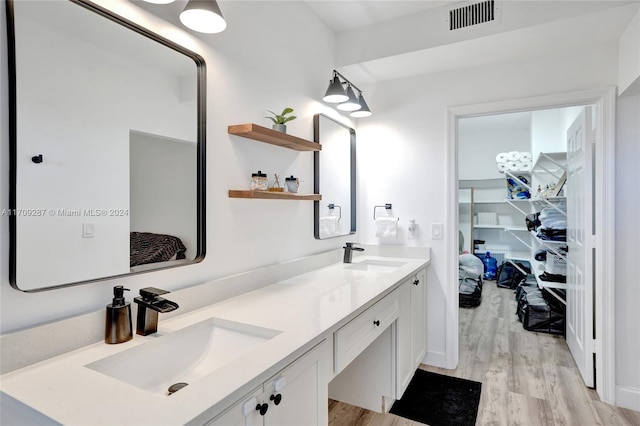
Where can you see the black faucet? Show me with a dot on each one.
(149, 304)
(348, 250)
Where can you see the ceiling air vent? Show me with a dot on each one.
(473, 14)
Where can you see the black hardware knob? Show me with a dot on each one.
(416, 281)
(276, 399)
(376, 323)
(37, 158)
(262, 408)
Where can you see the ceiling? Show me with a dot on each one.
(380, 40)
(421, 43)
(347, 15)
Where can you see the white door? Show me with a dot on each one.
(580, 241)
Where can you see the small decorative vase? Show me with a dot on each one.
(280, 128)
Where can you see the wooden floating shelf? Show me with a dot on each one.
(270, 195)
(266, 135)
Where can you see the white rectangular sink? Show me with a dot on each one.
(374, 265)
(183, 356)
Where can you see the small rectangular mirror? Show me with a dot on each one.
(334, 178)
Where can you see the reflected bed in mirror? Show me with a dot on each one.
(334, 178)
(107, 147)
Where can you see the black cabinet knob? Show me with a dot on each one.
(416, 281)
(376, 323)
(37, 159)
(262, 408)
(276, 399)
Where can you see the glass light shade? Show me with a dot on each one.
(364, 110)
(335, 92)
(352, 103)
(203, 16)
(160, 1)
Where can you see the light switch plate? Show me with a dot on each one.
(436, 231)
(88, 230)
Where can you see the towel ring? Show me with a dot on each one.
(386, 207)
(333, 206)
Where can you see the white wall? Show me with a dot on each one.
(403, 149)
(629, 57)
(477, 150)
(246, 75)
(626, 266)
(163, 181)
(546, 133)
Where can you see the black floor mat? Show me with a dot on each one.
(439, 400)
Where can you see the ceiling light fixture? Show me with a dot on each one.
(364, 110)
(203, 16)
(352, 103)
(346, 98)
(335, 92)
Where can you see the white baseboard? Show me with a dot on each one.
(628, 397)
(437, 359)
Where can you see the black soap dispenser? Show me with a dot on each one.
(118, 320)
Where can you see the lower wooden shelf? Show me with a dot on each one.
(269, 195)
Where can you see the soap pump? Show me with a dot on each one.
(118, 320)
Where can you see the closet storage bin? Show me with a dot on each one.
(509, 276)
(539, 311)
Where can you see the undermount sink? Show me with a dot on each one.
(372, 265)
(183, 356)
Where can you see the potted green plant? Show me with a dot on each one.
(279, 120)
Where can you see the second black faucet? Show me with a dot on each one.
(348, 251)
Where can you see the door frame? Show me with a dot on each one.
(604, 185)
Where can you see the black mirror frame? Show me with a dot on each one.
(13, 143)
(316, 177)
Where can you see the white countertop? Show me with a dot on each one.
(306, 309)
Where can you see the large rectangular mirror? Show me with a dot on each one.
(334, 178)
(107, 140)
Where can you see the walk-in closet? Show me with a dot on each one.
(525, 184)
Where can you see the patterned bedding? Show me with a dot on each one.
(147, 247)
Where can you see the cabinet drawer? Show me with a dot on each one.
(355, 336)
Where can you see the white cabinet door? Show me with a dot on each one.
(419, 318)
(243, 413)
(404, 360)
(299, 394)
(412, 328)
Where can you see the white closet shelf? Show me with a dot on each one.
(537, 268)
(476, 226)
(550, 161)
(510, 228)
(518, 255)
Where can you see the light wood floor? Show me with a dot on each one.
(527, 378)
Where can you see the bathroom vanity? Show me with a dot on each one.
(354, 332)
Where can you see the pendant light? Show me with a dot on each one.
(335, 92)
(203, 16)
(364, 110)
(160, 1)
(352, 103)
